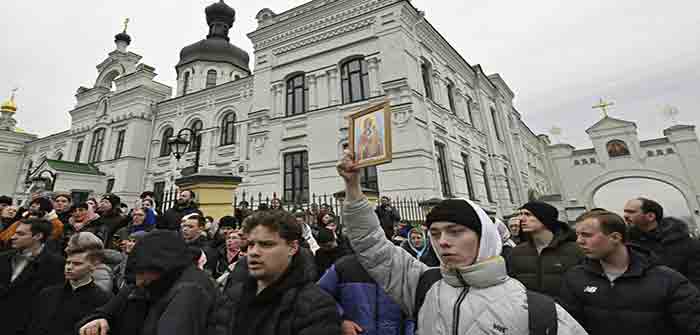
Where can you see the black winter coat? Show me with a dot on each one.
(294, 305)
(105, 227)
(16, 297)
(58, 308)
(179, 303)
(673, 246)
(647, 299)
(543, 272)
(388, 217)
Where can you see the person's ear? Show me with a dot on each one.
(617, 237)
(38, 237)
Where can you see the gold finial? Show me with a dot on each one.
(10, 106)
(602, 105)
(126, 24)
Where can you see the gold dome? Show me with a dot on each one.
(9, 105)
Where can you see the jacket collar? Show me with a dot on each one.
(639, 263)
(487, 273)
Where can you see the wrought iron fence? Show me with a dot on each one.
(411, 209)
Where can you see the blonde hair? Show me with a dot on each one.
(86, 242)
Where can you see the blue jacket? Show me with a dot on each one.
(361, 300)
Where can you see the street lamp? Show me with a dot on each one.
(179, 144)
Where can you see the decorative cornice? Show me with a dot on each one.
(325, 35)
(318, 25)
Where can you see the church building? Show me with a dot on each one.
(276, 117)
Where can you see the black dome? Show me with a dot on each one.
(122, 37)
(220, 11)
(214, 50)
(216, 47)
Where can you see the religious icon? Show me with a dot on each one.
(370, 135)
(617, 148)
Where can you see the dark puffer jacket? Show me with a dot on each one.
(543, 272)
(106, 226)
(179, 303)
(293, 305)
(362, 301)
(672, 245)
(646, 299)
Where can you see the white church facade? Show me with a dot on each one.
(280, 122)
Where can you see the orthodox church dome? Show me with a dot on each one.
(216, 47)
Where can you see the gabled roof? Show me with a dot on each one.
(610, 121)
(73, 167)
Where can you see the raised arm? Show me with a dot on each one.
(391, 267)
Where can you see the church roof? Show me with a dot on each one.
(216, 47)
(610, 120)
(73, 167)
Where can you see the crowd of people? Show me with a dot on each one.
(99, 267)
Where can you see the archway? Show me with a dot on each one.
(613, 195)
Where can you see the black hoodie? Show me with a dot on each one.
(179, 303)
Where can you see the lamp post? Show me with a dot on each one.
(185, 138)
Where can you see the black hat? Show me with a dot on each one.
(546, 213)
(456, 211)
(228, 221)
(325, 236)
(5, 200)
(45, 204)
(113, 199)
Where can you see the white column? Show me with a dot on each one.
(242, 141)
(322, 90)
(281, 99)
(333, 87)
(374, 81)
(313, 92)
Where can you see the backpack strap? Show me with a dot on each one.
(542, 314)
(425, 282)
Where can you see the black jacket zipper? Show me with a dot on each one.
(456, 310)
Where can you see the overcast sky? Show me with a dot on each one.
(559, 57)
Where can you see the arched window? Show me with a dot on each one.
(211, 79)
(650, 153)
(617, 148)
(426, 72)
(355, 80)
(228, 132)
(185, 82)
(670, 151)
(98, 141)
(296, 95)
(164, 146)
(659, 152)
(576, 162)
(197, 127)
(59, 156)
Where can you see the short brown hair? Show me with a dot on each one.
(609, 222)
(86, 242)
(281, 222)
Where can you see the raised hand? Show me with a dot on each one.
(347, 168)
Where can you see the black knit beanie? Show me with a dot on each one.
(228, 222)
(455, 211)
(113, 199)
(546, 213)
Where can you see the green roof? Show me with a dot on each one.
(73, 167)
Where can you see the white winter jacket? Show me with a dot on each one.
(493, 304)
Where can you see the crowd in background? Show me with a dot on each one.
(99, 266)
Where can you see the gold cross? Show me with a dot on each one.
(126, 24)
(12, 96)
(602, 105)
